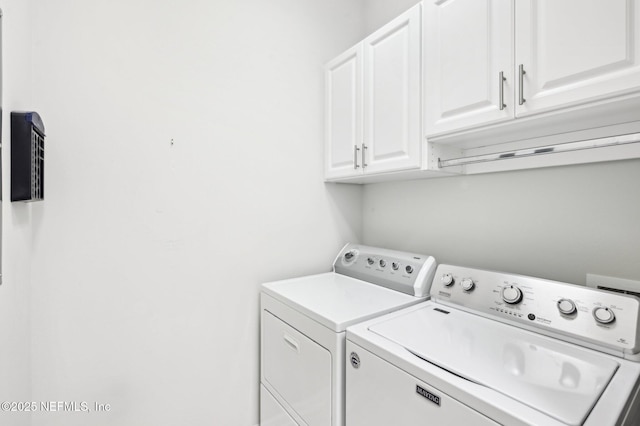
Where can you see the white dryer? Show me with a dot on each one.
(303, 322)
(493, 348)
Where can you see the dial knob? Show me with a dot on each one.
(603, 315)
(395, 266)
(467, 284)
(566, 306)
(409, 269)
(447, 280)
(382, 263)
(370, 261)
(511, 294)
(348, 256)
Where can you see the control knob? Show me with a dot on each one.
(447, 280)
(348, 256)
(467, 284)
(370, 261)
(566, 306)
(382, 263)
(409, 269)
(511, 294)
(395, 265)
(603, 315)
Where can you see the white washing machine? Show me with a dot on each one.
(493, 348)
(303, 322)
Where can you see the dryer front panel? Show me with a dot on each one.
(271, 412)
(298, 369)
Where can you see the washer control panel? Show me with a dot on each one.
(409, 273)
(606, 319)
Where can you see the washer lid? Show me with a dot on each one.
(559, 379)
(337, 301)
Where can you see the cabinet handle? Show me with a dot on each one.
(501, 87)
(355, 157)
(521, 73)
(364, 163)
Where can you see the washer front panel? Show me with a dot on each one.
(559, 379)
(412, 400)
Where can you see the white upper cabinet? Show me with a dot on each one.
(343, 114)
(392, 95)
(373, 102)
(468, 63)
(576, 51)
(555, 56)
(477, 86)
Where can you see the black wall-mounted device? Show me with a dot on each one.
(27, 157)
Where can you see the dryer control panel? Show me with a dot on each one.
(571, 312)
(409, 273)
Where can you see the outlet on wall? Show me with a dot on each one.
(620, 285)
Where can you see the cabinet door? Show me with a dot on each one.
(576, 51)
(343, 114)
(468, 44)
(392, 66)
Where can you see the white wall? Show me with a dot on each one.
(16, 232)
(148, 256)
(379, 12)
(558, 223)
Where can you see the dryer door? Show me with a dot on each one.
(297, 369)
(380, 394)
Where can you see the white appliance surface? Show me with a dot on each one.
(298, 369)
(511, 349)
(272, 412)
(337, 301)
(557, 378)
(303, 323)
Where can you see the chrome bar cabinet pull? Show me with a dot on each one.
(501, 90)
(521, 73)
(364, 163)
